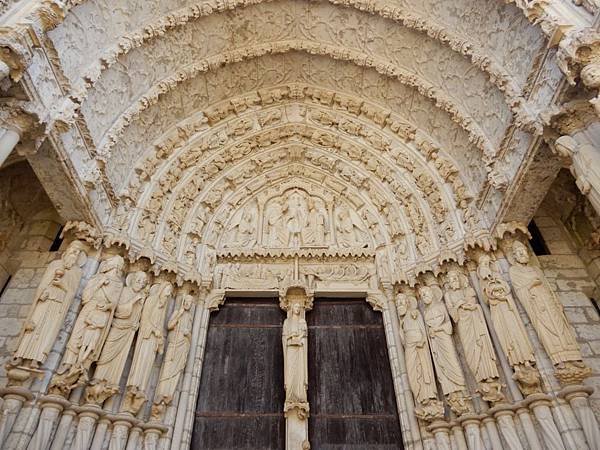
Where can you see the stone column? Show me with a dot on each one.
(184, 420)
(14, 397)
(504, 417)
(470, 423)
(540, 405)
(441, 433)
(52, 406)
(492, 430)
(404, 399)
(88, 416)
(296, 301)
(577, 396)
(9, 138)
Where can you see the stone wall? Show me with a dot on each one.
(570, 275)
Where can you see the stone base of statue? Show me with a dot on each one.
(296, 427)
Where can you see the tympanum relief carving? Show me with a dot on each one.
(294, 220)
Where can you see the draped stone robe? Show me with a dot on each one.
(109, 367)
(150, 338)
(51, 303)
(546, 313)
(99, 299)
(442, 347)
(473, 333)
(295, 352)
(418, 359)
(507, 322)
(179, 341)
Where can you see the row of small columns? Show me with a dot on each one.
(30, 414)
(499, 419)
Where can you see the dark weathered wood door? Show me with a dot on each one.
(240, 403)
(350, 388)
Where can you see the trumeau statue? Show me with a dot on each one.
(544, 310)
(50, 305)
(508, 325)
(149, 343)
(178, 347)
(99, 300)
(111, 363)
(295, 357)
(418, 358)
(465, 311)
(445, 358)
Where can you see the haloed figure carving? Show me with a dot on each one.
(51, 303)
(546, 313)
(295, 353)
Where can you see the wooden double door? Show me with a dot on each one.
(351, 394)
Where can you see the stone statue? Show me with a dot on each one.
(318, 224)
(418, 358)
(465, 311)
(295, 219)
(508, 325)
(178, 347)
(50, 305)
(244, 229)
(585, 166)
(273, 218)
(349, 230)
(149, 343)
(295, 357)
(99, 300)
(544, 310)
(445, 358)
(111, 363)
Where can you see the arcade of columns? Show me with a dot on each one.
(196, 150)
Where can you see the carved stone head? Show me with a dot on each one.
(520, 252)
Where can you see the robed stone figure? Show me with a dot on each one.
(419, 366)
(178, 347)
(149, 343)
(111, 363)
(466, 312)
(543, 308)
(99, 300)
(295, 357)
(52, 300)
